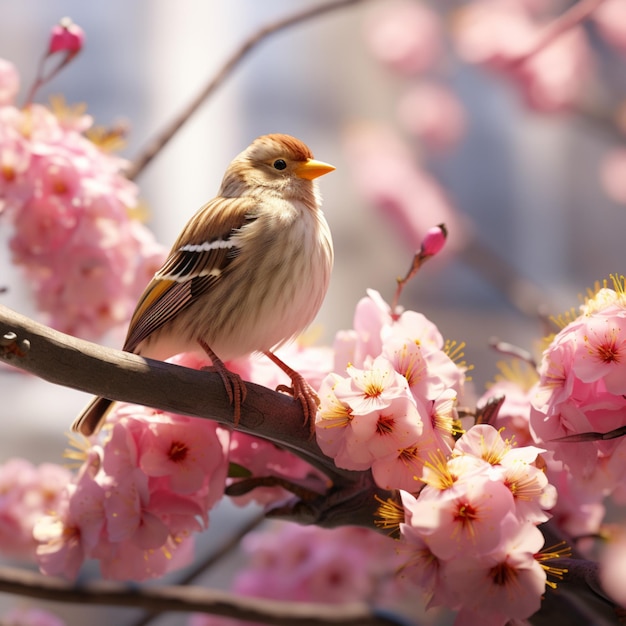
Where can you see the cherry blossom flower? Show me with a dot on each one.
(463, 520)
(9, 83)
(610, 16)
(433, 114)
(613, 567)
(69, 204)
(613, 174)
(405, 36)
(402, 191)
(26, 493)
(581, 386)
(505, 584)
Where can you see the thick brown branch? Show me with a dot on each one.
(157, 144)
(118, 375)
(166, 598)
(72, 362)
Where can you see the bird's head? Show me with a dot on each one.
(276, 162)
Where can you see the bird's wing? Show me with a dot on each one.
(198, 259)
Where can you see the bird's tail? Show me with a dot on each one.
(92, 416)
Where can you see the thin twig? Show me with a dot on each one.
(157, 144)
(572, 17)
(197, 599)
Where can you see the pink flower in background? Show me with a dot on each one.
(610, 16)
(312, 564)
(433, 114)
(387, 176)
(613, 175)
(499, 34)
(26, 493)
(613, 567)
(406, 36)
(493, 33)
(513, 418)
(9, 83)
(85, 257)
(555, 78)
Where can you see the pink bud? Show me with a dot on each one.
(66, 37)
(434, 240)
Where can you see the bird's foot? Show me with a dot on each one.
(301, 390)
(233, 383)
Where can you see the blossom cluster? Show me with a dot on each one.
(470, 505)
(69, 204)
(26, 492)
(138, 498)
(312, 564)
(582, 389)
(471, 534)
(396, 408)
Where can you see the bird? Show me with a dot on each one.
(247, 273)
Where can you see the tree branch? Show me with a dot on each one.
(157, 144)
(200, 599)
(72, 362)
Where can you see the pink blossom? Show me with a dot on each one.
(433, 114)
(613, 567)
(406, 36)
(528, 484)
(554, 79)
(355, 346)
(403, 465)
(263, 458)
(312, 564)
(513, 418)
(465, 519)
(610, 16)
(128, 561)
(26, 493)
(66, 37)
(185, 450)
(388, 177)
(493, 32)
(501, 34)
(505, 584)
(579, 508)
(9, 83)
(86, 259)
(613, 174)
(66, 537)
(367, 415)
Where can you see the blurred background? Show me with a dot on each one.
(515, 170)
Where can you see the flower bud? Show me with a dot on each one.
(66, 37)
(434, 240)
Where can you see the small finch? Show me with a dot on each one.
(248, 272)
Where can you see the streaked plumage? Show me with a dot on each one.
(248, 272)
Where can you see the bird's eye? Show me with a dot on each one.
(280, 164)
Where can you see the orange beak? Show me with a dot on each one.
(311, 169)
